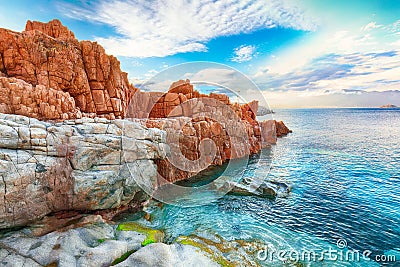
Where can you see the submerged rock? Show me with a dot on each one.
(262, 191)
(152, 236)
(266, 189)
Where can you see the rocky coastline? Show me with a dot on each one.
(78, 142)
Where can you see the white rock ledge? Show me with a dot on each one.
(72, 165)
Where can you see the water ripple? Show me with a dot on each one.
(345, 167)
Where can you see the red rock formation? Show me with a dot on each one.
(19, 97)
(268, 133)
(191, 133)
(281, 129)
(174, 103)
(48, 54)
(186, 113)
(53, 28)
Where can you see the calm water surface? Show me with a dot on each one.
(344, 165)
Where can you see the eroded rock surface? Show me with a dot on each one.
(85, 164)
(281, 129)
(22, 98)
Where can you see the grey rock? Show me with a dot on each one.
(90, 164)
(10, 259)
(94, 244)
(8, 136)
(162, 255)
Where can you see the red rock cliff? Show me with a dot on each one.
(49, 55)
(189, 114)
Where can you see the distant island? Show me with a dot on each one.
(389, 106)
(264, 111)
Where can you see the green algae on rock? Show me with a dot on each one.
(185, 240)
(225, 253)
(123, 257)
(152, 235)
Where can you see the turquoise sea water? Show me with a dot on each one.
(344, 165)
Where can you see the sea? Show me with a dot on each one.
(343, 166)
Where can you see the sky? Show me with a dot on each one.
(300, 53)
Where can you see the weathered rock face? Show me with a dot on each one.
(163, 255)
(19, 97)
(86, 164)
(189, 118)
(268, 132)
(54, 29)
(48, 54)
(174, 103)
(198, 143)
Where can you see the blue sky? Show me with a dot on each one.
(300, 53)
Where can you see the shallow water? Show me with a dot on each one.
(344, 165)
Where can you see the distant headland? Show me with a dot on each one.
(388, 106)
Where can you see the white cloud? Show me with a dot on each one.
(348, 79)
(393, 27)
(243, 53)
(212, 74)
(151, 73)
(342, 41)
(162, 28)
(136, 81)
(371, 37)
(226, 77)
(155, 85)
(371, 25)
(369, 74)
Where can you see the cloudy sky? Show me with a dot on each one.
(301, 53)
